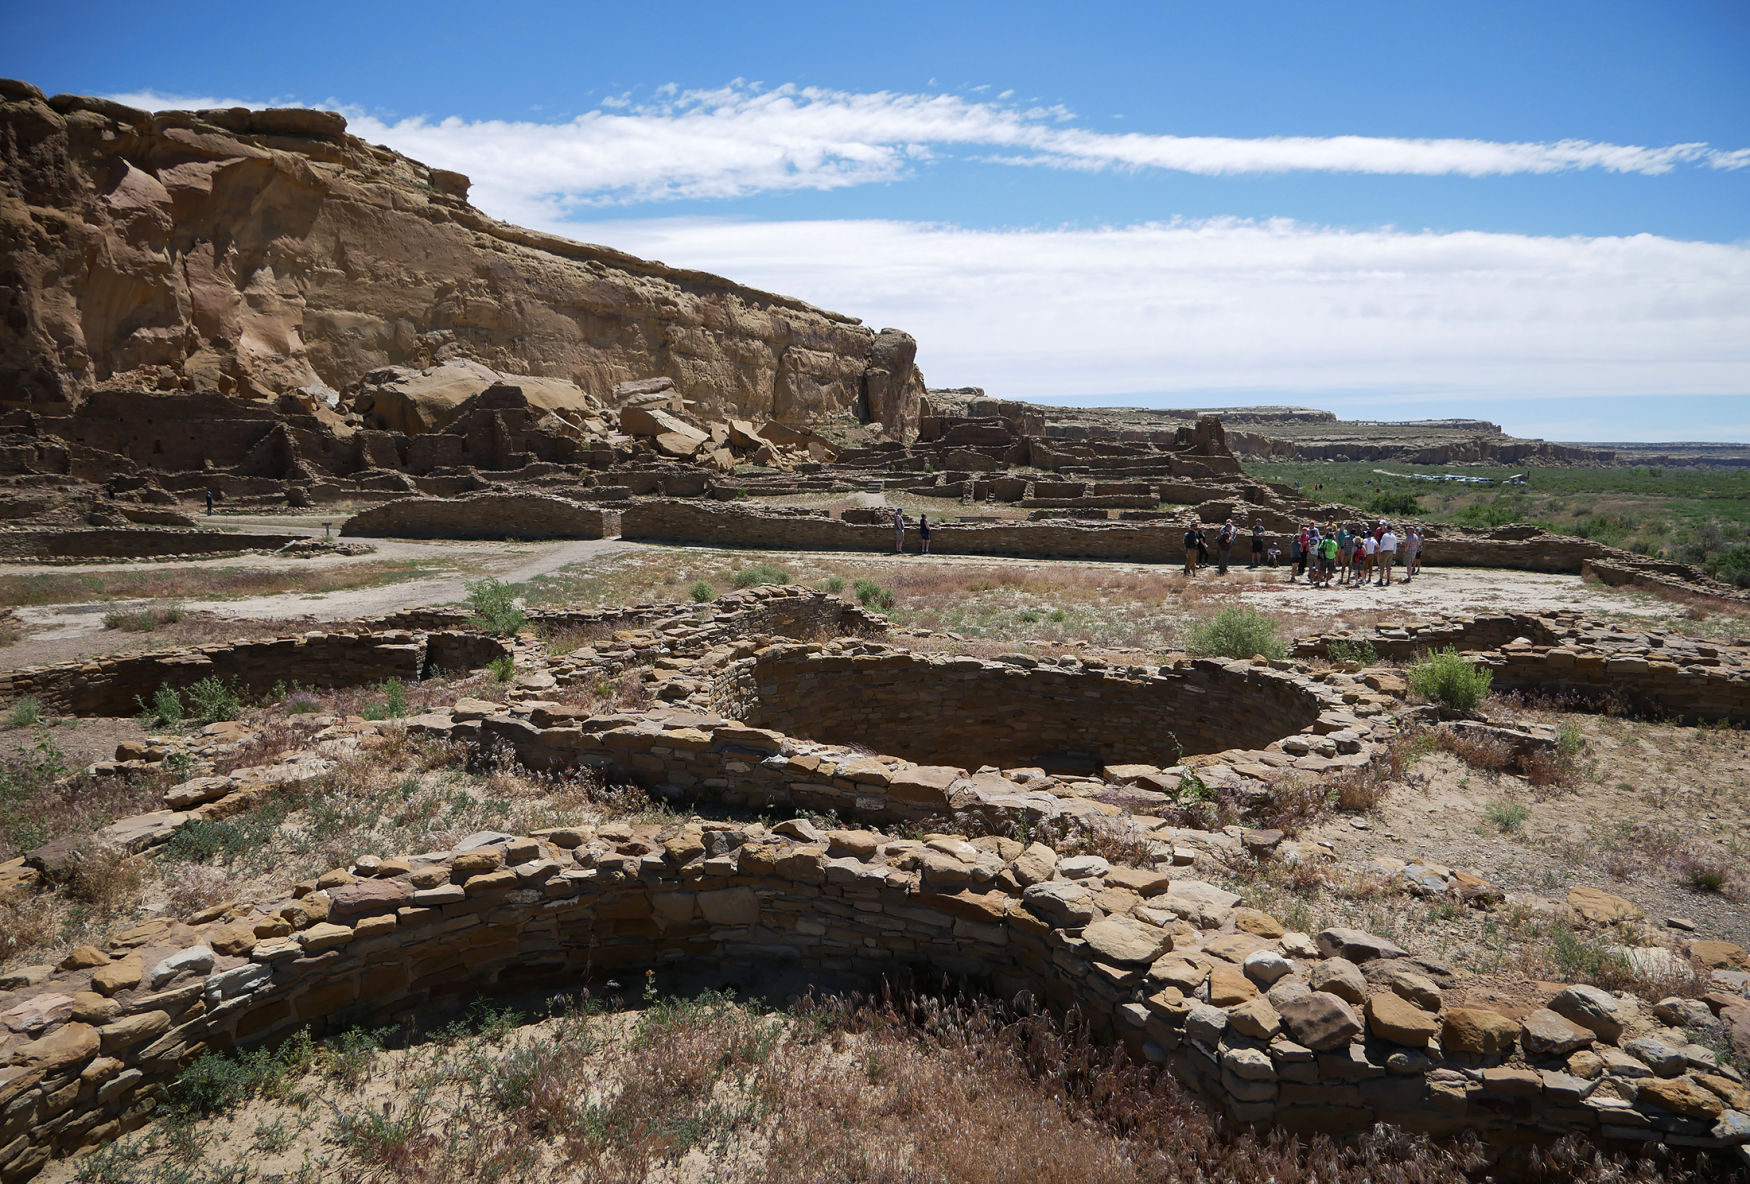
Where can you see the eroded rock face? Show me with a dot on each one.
(267, 252)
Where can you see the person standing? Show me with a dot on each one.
(1327, 559)
(1369, 551)
(924, 534)
(1191, 536)
(1412, 551)
(209, 500)
(1257, 541)
(1345, 551)
(898, 531)
(1224, 545)
(1388, 553)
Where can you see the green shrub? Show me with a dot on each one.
(212, 699)
(1450, 679)
(393, 705)
(501, 669)
(25, 712)
(872, 595)
(1508, 817)
(1236, 632)
(835, 584)
(165, 710)
(1351, 651)
(495, 608)
(1731, 566)
(763, 573)
(701, 592)
(1394, 503)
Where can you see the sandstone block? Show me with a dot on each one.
(1478, 1031)
(1339, 977)
(1681, 1095)
(1256, 1018)
(1599, 907)
(1392, 1017)
(1320, 1021)
(1547, 1034)
(1592, 1009)
(1126, 941)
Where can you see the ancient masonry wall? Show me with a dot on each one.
(485, 516)
(125, 543)
(1563, 655)
(697, 749)
(117, 685)
(1332, 1032)
(942, 710)
(1132, 541)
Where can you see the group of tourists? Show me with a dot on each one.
(1354, 557)
(1348, 556)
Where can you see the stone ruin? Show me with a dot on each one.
(754, 698)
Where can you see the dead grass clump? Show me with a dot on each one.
(1357, 791)
(1489, 753)
(1293, 805)
(563, 639)
(190, 889)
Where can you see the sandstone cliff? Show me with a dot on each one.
(258, 253)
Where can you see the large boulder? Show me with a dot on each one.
(399, 399)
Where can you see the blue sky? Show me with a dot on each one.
(1535, 214)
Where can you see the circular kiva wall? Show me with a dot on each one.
(964, 712)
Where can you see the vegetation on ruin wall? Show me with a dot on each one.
(1693, 516)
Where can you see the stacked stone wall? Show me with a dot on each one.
(1141, 956)
(116, 686)
(123, 543)
(942, 710)
(1564, 656)
(485, 516)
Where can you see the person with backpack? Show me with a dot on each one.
(1224, 546)
(1192, 534)
(1327, 559)
(924, 533)
(1257, 542)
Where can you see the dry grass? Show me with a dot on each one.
(846, 1091)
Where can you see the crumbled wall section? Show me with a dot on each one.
(1564, 655)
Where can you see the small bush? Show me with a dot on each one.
(1731, 566)
(25, 712)
(1509, 817)
(301, 703)
(393, 704)
(165, 710)
(872, 595)
(763, 573)
(1450, 679)
(143, 620)
(1352, 651)
(1235, 633)
(495, 607)
(835, 584)
(1393, 503)
(212, 699)
(501, 669)
(701, 592)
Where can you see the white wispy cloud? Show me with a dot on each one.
(1227, 304)
(742, 139)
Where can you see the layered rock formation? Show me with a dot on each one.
(262, 253)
